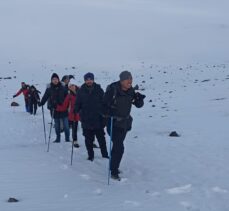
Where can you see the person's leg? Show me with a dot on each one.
(74, 130)
(74, 134)
(89, 137)
(66, 128)
(57, 129)
(35, 108)
(117, 149)
(30, 106)
(27, 105)
(100, 135)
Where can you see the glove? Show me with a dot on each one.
(39, 103)
(139, 96)
(136, 87)
(14, 96)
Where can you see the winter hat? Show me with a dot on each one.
(89, 76)
(125, 75)
(71, 77)
(54, 75)
(65, 77)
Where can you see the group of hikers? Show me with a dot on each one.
(94, 108)
(31, 96)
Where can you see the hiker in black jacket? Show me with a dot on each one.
(34, 99)
(89, 107)
(56, 93)
(117, 102)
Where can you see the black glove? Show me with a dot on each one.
(14, 96)
(136, 87)
(39, 103)
(139, 96)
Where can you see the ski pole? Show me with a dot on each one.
(44, 123)
(109, 170)
(50, 131)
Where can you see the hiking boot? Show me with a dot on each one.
(75, 144)
(90, 158)
(116, 177)
(105, 156)
(56, 141)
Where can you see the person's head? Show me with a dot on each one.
(65, 79)
(23, 84)
(32, 88)
(55, 79)
(126, 80)
(89, 79)
(72, 87)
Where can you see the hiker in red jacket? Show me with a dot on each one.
(69, 104)
(25, 90)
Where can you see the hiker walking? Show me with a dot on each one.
(117, 102)
(89, 106)
(25, 90)
(56, 93)
(34, 99)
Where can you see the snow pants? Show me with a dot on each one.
(118, 137)
(89, 135)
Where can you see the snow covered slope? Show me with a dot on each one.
(177, 52)
(160, 172)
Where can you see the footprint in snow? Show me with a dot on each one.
(85, 176)
(219, 190)
(98, 191)
(64, 166)
(132, 203)
(188, 206)
(180, 190)
(153, 194)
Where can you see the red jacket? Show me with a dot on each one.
(69, 104)
(25, 92)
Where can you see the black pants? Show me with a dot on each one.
(33, 108)
(74, 126)
(118, 137)
(89, 138)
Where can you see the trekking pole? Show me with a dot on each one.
(44, 123)
(50, 131)
(109, 170)
(73, 131)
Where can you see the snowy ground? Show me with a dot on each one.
(178, 54)
(159, 172)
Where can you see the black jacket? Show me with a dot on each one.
(56, 95)
(118, 103)
(89, 106)
(34, 97)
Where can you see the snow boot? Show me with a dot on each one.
(116, 177)
(75, 144)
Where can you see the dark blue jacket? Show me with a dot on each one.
(89, 106)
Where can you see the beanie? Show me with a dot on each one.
(65, 77)
(54, 75)
(125, 75)
(89, 76)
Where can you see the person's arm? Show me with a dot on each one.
(64, 106)
(78, 103)
(18, 93)
(138, 100)
(108, 100)
(45, 97)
